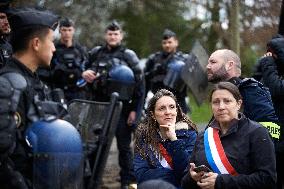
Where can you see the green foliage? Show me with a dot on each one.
(200, 114)
(249, 59)
(145, 20)
(144, 24)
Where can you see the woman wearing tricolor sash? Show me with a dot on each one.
(239, 152)
(164, 141)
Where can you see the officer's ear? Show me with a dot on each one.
(177, 42)
(121, 35)
(35, 43)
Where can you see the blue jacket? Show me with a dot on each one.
(257, 103)
(180, 151)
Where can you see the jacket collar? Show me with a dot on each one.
(234, 125)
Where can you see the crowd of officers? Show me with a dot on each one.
(80, 73)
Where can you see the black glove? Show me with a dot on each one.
(276, 46)
(257, 72)
(266, 63)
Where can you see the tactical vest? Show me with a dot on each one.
(68, 64)
(5, 52)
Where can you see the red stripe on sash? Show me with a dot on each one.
(166, 155)
(222, 154)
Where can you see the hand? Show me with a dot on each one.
(266, 60)
(89, 75)
(267, 54)
(208, 181)
(168, 131)
(194, 175)
(131, 118)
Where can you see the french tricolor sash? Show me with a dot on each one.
(215, 154)
(167, 160)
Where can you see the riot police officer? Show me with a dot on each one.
(111, 62)
(22, 94)
(5, 47)
(68, 62)
(157, 67)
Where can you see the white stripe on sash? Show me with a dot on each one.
(214, 152)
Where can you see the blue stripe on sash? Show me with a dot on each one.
(209, 154)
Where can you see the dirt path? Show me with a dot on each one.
(111, 173)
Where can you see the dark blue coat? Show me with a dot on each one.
(180, 151)
(257, 104)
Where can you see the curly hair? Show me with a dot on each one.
(147, 136)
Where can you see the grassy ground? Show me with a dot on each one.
(200, 114)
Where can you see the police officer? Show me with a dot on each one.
(21, 92)
(68, 62)
(271, 68)
(157, 68)
(5, 47)
(102, 59)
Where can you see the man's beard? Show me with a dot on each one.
(219, 75)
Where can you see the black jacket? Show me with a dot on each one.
(5, 50)
(250, 151)
(67, 65)
(127, 57)
(275, 82)
(19, 159)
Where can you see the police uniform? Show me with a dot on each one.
(5, 47)
(67, 66)
(21, 97)
(156, 70)
(102, 60)
(5, 50)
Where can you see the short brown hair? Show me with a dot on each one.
(233, 89)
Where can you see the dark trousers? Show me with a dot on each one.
(125, 157)
(280, 170)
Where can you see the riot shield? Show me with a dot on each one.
(194, 75)
(96, 122)
(56, 171)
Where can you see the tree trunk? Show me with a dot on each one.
(235, 26)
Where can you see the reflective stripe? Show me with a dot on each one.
(272, 128)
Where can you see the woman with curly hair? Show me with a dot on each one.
(164, 140)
